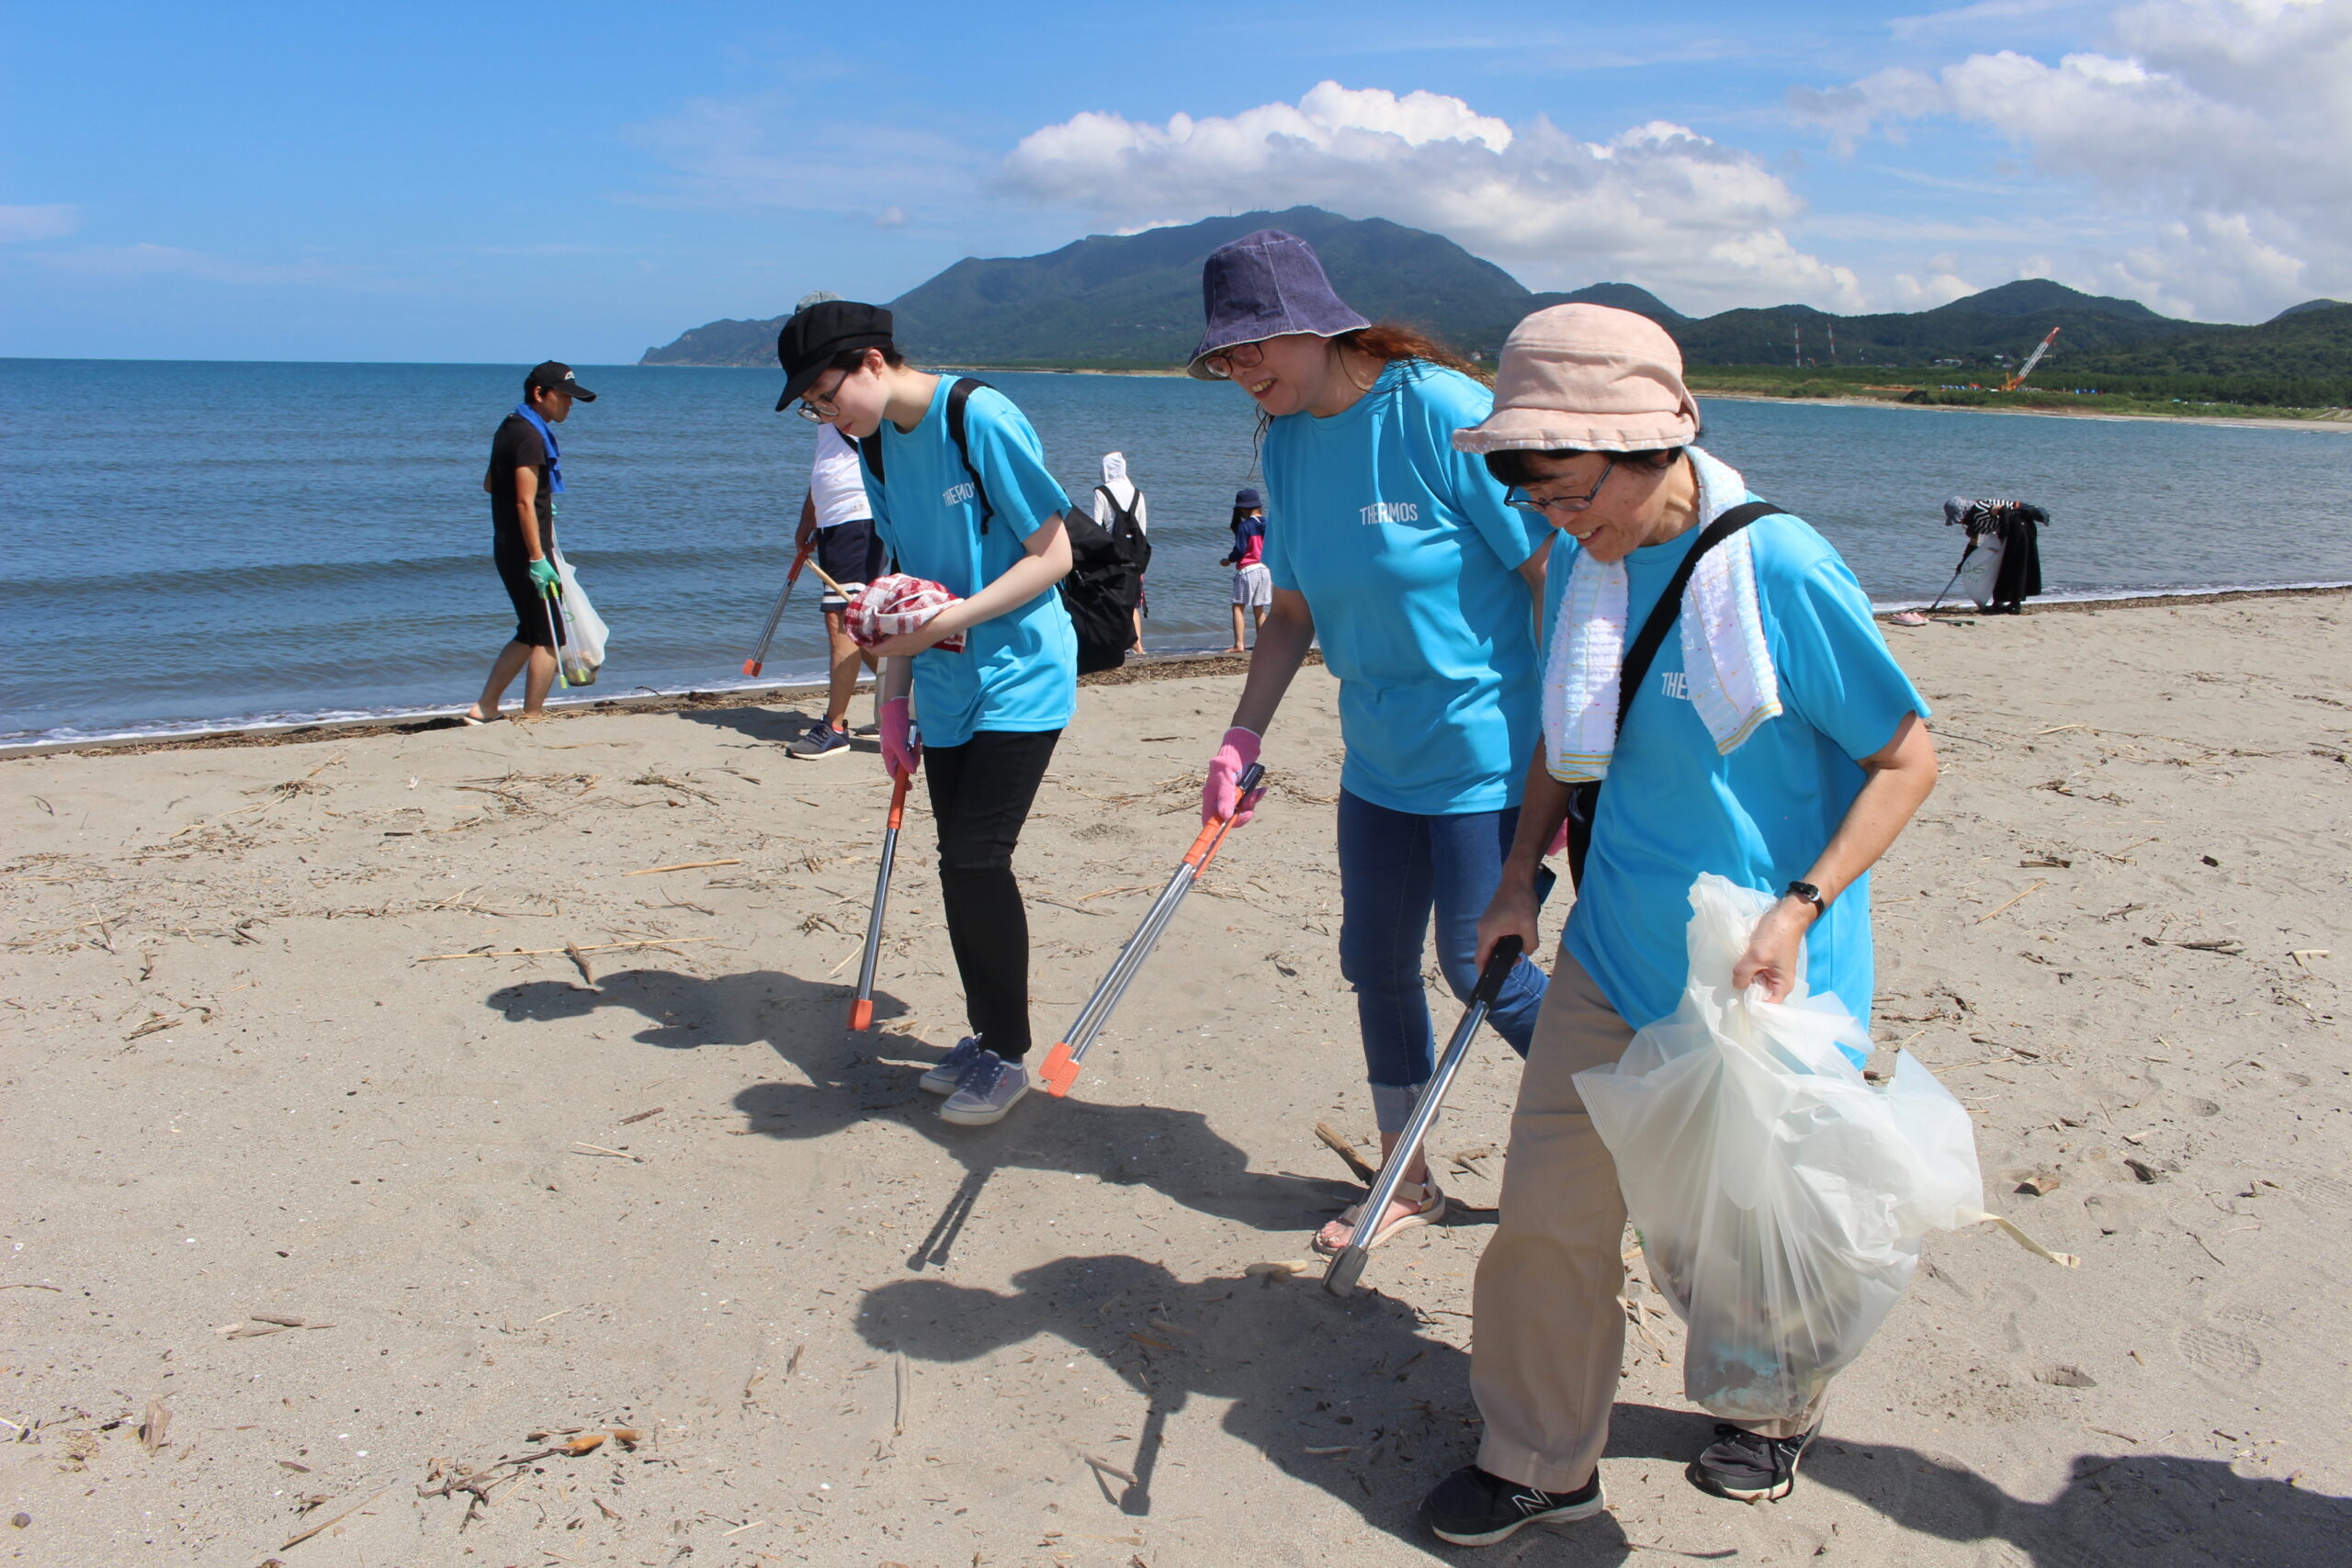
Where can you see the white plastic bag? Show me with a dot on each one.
(1781, 1198)
(583, 653)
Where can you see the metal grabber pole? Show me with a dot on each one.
(1347, 1265)
(860, 1012)
(1062, 1063)
(775, 616)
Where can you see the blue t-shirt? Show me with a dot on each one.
(1018, 671)
(1672, 807)
(1409, 558)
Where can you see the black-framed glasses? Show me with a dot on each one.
(1240, 357)
(1526, 503)
(817, 409)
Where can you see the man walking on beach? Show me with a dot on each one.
(525, 475)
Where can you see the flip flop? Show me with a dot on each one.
(1431, 1210)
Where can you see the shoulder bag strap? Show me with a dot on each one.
(1584, 799)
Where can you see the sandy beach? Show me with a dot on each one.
(326, 1247)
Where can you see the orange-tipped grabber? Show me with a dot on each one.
(1062, 1062)
(860, 1012)
(775, 616)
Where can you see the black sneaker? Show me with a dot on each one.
(1749, 1469)
(1471, 1507)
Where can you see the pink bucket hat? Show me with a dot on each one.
(1588, 378)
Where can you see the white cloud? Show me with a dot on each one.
(1659, 205)
(47, 223)
(2223, 122)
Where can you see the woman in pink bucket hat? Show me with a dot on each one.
(1768, 736)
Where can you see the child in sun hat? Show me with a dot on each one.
(1773, 740)
(1401, 555)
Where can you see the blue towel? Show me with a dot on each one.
(555, 454)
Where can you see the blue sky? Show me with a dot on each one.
(444, 183)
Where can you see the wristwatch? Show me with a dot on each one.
(1810, 893)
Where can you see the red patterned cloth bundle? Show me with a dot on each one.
(895, 603)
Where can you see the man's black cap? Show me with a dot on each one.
(811, 338)
(556, 373)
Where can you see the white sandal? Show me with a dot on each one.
(1427, 1211)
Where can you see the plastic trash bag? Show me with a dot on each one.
(581, 654)
(1781, 1198)
(581, 620)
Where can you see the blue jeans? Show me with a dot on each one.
(1395, 869)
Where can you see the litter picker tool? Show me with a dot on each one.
(555, 641)
(1347, 1265)
(1062, 1063)
(860, 1012)
(775, 616)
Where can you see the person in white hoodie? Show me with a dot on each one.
(1117, 499)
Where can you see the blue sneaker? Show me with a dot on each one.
(990, 1089)
(821, 740)
(948, 1072)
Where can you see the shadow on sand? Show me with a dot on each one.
(1392, 1404)
(851, 1080)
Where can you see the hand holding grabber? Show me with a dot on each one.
(775, 616)
(860, 1012)
(1062, 1063)
(1347, 1264)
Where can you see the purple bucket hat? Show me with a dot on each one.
(1264, 285)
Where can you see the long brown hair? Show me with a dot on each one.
(1390, 341)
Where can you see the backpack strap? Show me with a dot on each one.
(870, 448)
(1584, 799)
(1121, 514)
(958, 395)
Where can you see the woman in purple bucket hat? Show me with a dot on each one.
(1402, 556)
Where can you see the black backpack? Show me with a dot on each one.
(1104, 587)
(1105, 581)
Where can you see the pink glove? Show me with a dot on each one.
(901, 746)
(1218, 796)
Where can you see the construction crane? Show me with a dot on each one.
(2014, 382)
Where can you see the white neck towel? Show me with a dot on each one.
(1732, 683)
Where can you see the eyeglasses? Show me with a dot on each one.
(1240, 357)
(819, 409)
(1526, 503)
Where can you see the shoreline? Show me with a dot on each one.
(1149, 668)
(2338, 427)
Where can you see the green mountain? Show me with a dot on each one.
(1135, 299)
(1133, 302)
(2307, 305)
(2309, 342)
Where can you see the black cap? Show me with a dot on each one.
(557, 375)
(811, 338)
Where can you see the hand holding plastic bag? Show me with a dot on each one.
(1781, 1198)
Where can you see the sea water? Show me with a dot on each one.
(195, 546)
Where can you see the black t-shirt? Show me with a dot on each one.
(518, 445)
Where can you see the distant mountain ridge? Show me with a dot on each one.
(1133, 302)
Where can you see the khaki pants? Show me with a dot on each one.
(1549, 1335)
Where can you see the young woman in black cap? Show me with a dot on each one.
(1422, 582)
(982, 518)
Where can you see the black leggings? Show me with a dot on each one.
(980, 795)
